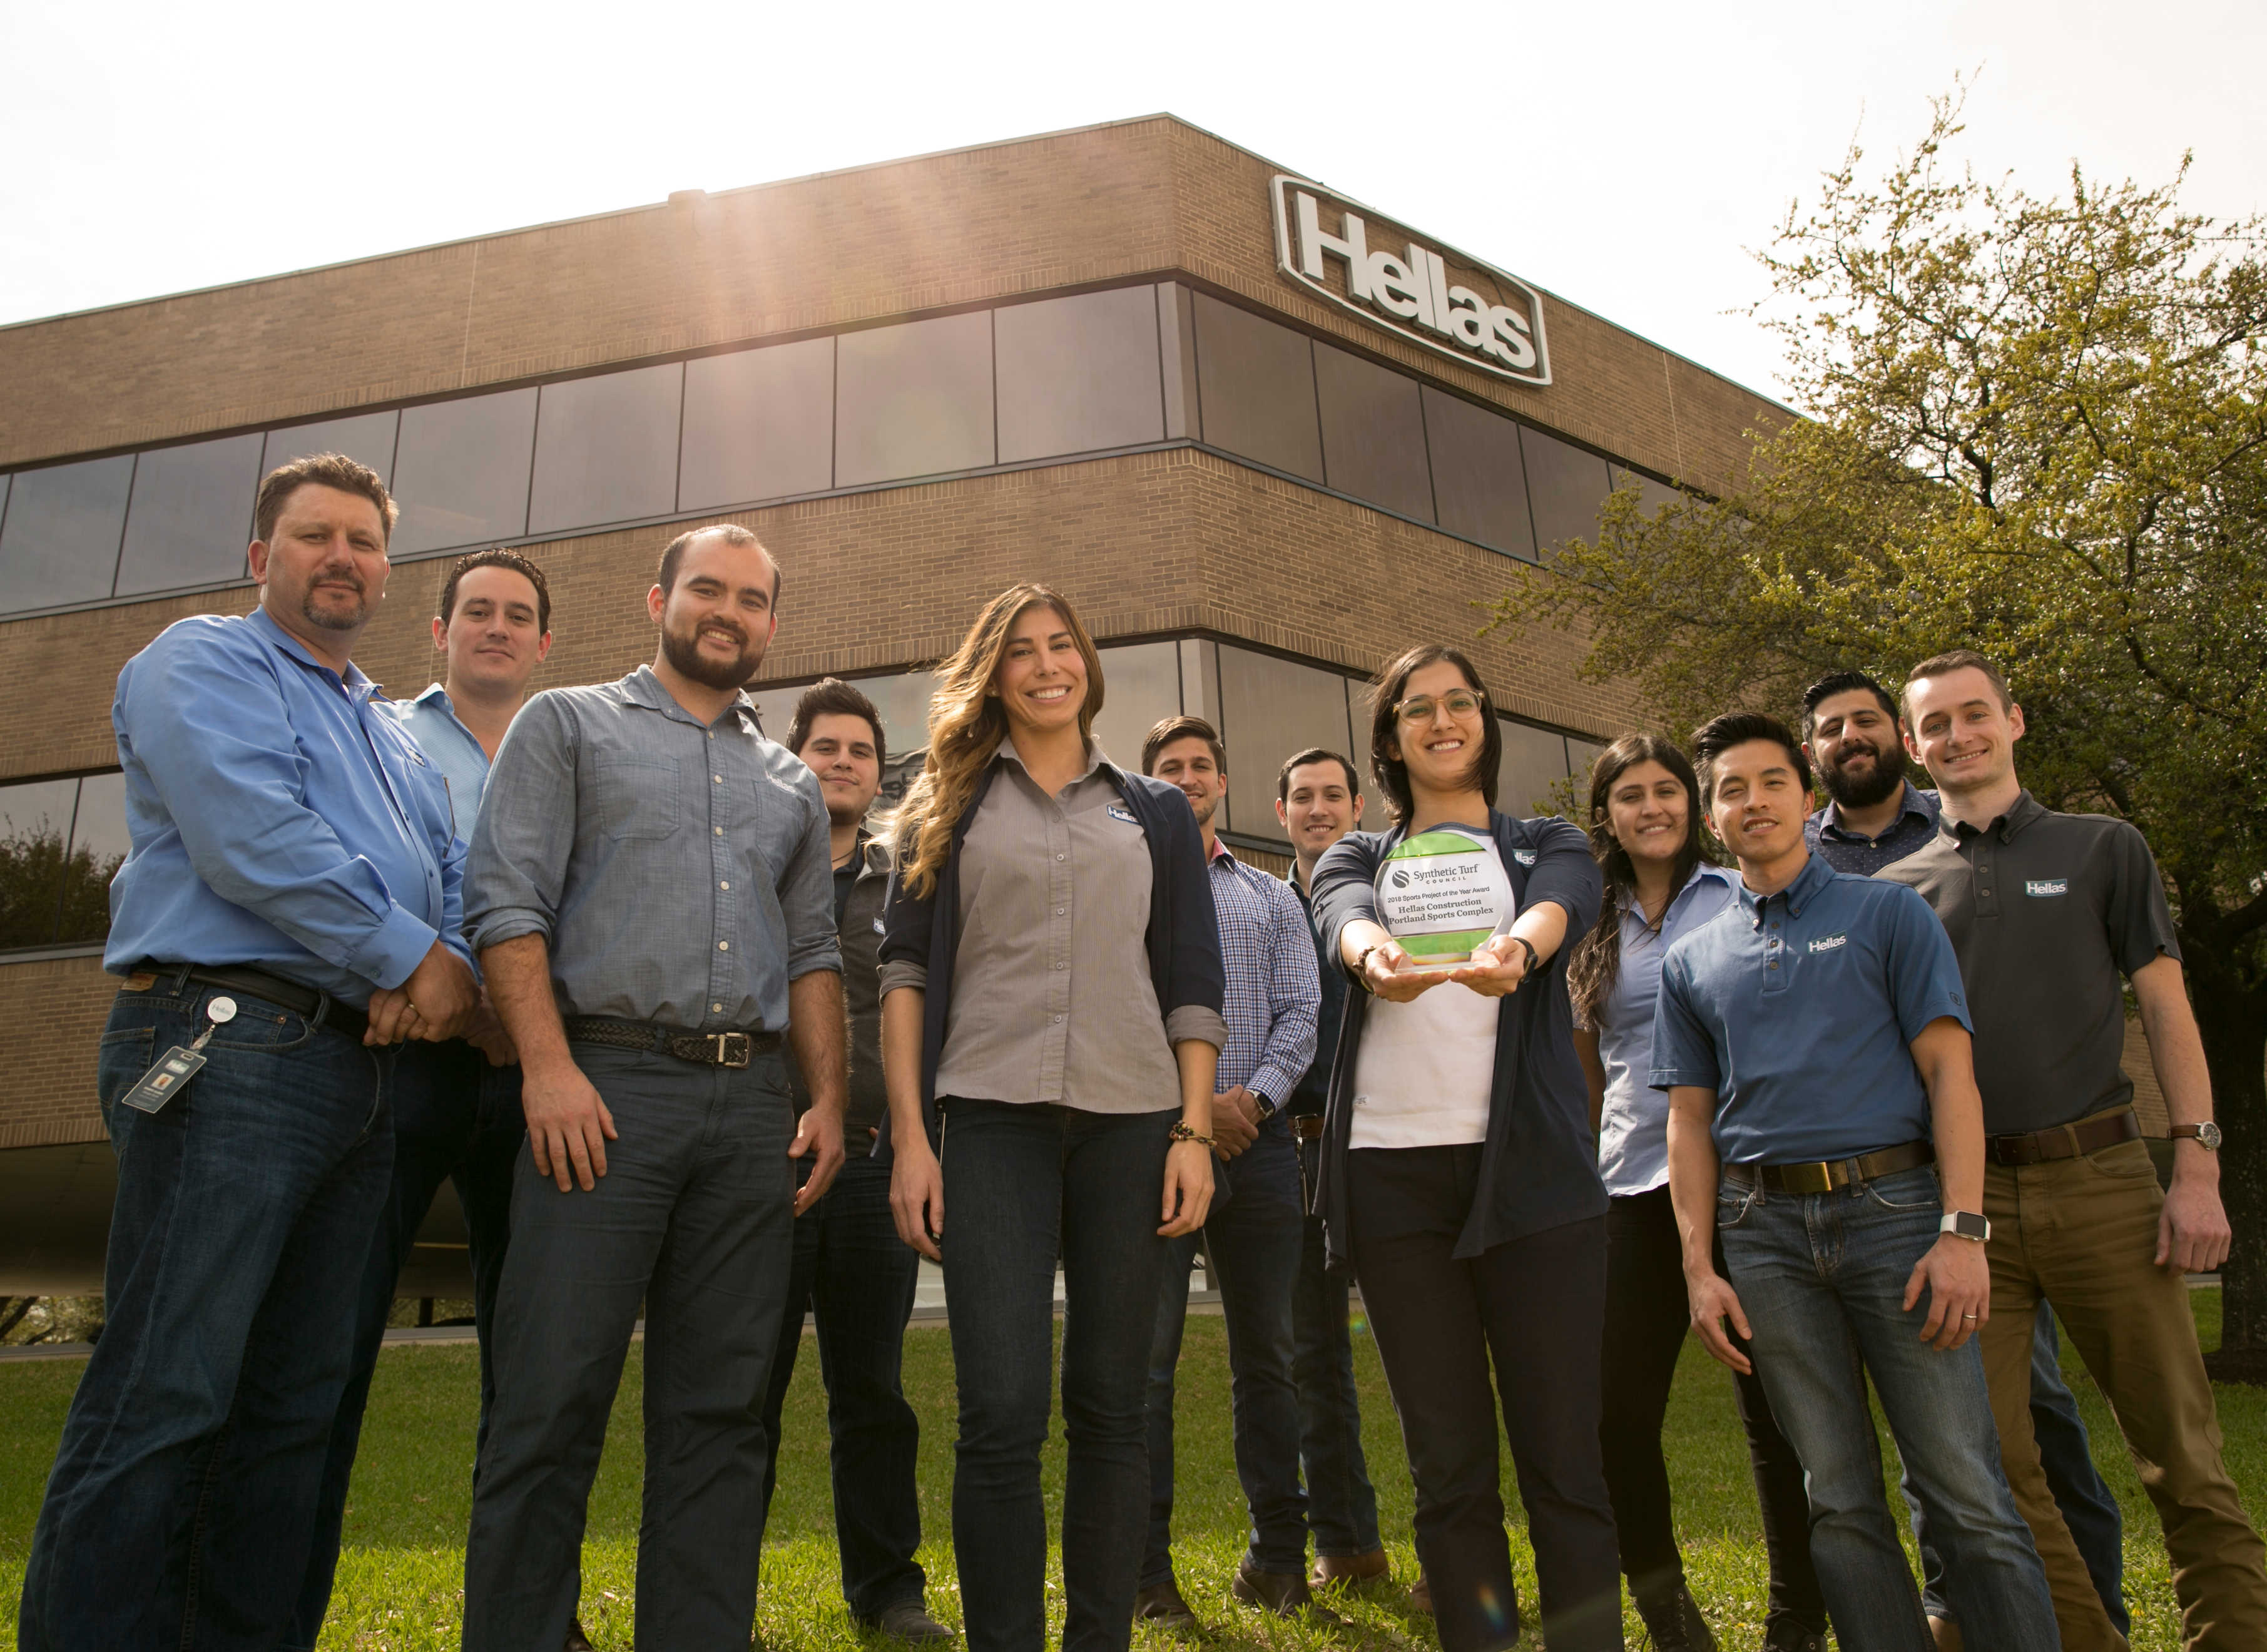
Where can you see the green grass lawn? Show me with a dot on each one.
(400, 1578)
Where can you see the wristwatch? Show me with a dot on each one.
(2206, 1135)
(1967, 1224)
(1261, 1104)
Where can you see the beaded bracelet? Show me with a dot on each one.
(1180, 1132)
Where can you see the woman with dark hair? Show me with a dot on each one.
(1645, 830)
(1458, 1175)
(1049, 1050)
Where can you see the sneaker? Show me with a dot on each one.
(1346, 1571)
(1160, 1607)
(1285, 1593)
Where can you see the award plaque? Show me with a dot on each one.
(1442, 893)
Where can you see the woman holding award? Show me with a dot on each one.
(1458, 1173)
(1051, 1015)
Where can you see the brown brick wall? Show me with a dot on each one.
(51, 1018)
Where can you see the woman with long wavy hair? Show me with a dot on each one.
(1051, 990)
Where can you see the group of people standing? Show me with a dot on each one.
(700, 1048)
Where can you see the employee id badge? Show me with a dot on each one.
(179, 1065)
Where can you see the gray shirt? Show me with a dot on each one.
(1051, 997)
(679, 871)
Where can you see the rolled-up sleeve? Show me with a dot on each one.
(517, 870)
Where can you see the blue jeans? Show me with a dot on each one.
(1823, 1278)
(1025, 1185)
(2089, 1508)
(1252, 1243)
(455, 1119)
(178, 1510)
(851, 1269)
(1342, 1507)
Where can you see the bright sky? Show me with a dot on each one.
(1624, 158)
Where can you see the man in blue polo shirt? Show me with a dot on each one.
(1823, 1119)
(289, 910)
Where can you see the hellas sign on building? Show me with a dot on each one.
(1431, 295)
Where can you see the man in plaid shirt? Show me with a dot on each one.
(1252, 1242)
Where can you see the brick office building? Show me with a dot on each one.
(1263, 436)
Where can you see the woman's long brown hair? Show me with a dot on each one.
(1597, 956)
(967, 723)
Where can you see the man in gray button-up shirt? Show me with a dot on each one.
(649, 866)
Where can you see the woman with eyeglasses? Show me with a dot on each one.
(1052, 989)
(1458, 1174)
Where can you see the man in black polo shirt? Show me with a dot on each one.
(2047, 912)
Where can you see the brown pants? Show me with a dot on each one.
(2083, 1233)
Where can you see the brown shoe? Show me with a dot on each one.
(1285, 1593)
(577, 1639)
(1420, 1594)
(1161, 1607)
(1344, 1571)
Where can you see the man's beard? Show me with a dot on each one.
(682, 651)
(1877, 784)
(335, 618)
(1204, 808)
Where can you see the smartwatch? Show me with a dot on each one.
(1261, 1105)
(2206, 1135)
(1967, 1224)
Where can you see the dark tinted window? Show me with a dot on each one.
(191, 514)
(1177, 341)
(1582, 757)
(365, 438)
(1373, 434)
(36, 821)
(1270, 707)
(99, 843)
(1079, 373)
(1566, 486)
(1255, 389)
(60, 541)
(914, 400)
(460, 472)
(1477, 477)
(759, 424)
(1651, 495)
(1373, 795)
(1533, 764)
(606, 448)
(1141, 683)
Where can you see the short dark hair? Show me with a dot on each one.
(498, 558)
(1843, 683)
(1719, 735)
(1385, 692)
(320, 470)
(1315, 754)
(830, 697)
(672, 555)
(1172, 729)
(1961, 659)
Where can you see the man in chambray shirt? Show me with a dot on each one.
(651, 897)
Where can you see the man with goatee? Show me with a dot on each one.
(650, 895)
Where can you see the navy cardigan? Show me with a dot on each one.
(1540, 1166)
(1183, 933)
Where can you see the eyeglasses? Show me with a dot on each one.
(1461, 703)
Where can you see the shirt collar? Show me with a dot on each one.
(1221, 852)
(357, 685)
(1913, 803)
(2020, 814)
(1094, 760)
(1703, 872)
(643, 687)
(1814, 876)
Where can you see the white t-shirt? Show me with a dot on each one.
(1426, 1069)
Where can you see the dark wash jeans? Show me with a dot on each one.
(1533, 1308)
(1822, 1277)
(178, 1510)
(857, 1276)
(1341, 1506)
(455, 1119)
(692, 1218)
(1648, 1321)
(1253, 1246)
(1024, 1184)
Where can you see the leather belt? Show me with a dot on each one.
(1824, 1176)
(2067, 1141)
(1308, 1127)
(317, 1007)
(708, 1049)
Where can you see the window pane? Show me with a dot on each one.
(606, 448)
(365, 438)
(1567, 486)
(35, 821)
(1373, 433)
(1176, 344)
(99, 843)
(902, 700)
(1142, 684)
(460, 472)
(1272, 707)
(1478, 478)
(1255, 389)
(191, 514)
(1374, 817)
(60, 542)
(1533, 764)
(759, 424)
(1080, 373)
(1582, 757)
(914, 400)
(1651, 495)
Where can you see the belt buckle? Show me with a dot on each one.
(733, 1049)
(1821, 1169)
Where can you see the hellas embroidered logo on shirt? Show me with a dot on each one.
(1829, 943)
(1119, 812)
(2046, 885)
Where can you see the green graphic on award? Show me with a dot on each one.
(1442, 893)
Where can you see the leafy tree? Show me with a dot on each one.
(2037, 428)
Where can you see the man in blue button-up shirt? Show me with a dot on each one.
(293, 890)
(1824, 1118)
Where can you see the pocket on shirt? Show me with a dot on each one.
(636, 797)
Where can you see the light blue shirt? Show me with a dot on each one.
(432, 722)
(1633, 1132)
(278, 818)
